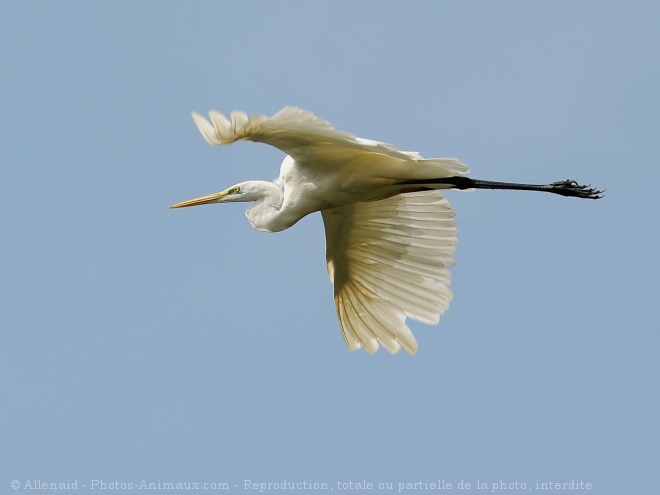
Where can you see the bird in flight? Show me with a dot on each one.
(390, 234)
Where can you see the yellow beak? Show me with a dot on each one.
(204, 200)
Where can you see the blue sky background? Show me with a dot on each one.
(142, 343)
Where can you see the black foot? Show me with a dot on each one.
(570, 187)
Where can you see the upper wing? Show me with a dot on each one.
(389, 260)
(307, 138)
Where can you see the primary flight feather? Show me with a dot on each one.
(390, 235)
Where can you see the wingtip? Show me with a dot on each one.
(205, 128)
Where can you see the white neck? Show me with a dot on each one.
(267, 214)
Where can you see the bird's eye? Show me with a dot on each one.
(236, 190)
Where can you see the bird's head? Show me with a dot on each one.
(240, 193)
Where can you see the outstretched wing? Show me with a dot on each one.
(389, 260)
(307, 138)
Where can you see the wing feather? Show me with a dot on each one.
(389, 260)
(308, 138)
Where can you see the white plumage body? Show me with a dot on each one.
(389, 245)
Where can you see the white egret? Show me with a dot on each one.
(390, 235)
